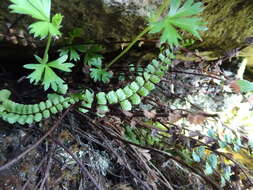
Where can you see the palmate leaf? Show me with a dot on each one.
(60, 64)
(43, 72)
(72, 51)
(99, 74)
(91, 52)
(43, 28)
(95, 61)
(51, 79)
(39, 9)
(179, 17)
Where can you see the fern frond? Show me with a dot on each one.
(13, 112)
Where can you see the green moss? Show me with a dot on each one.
(229, 24)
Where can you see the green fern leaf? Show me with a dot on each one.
(135, 99)
(112, 97)
(149, 85)
(38, 117)
(155, 63)
(134, 87)
(4, 94)
(103, 109)
(101, 98)
(140, 81)
(49, 104)
(65, 104)
(46, 114)
(155, 79)
(29, 119)
(22, 119)
(126, 105)
(83, 110)
(35, 108)
(121, 95)
(42, 106)
(150, 68)
(53, 110)
(146, 76)
(143, 91)
(59, 107)
(12, 118)
(159, 73)
(128, 92)
(179, 17)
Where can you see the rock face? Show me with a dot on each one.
(106, 19)
(229, 22)
(99, 19)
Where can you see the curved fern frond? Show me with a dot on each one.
(140, 87)
(13, 112)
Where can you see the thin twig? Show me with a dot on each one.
(37, 169)
(84, 170)
(49, 164)
(215, 185)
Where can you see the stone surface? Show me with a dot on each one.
(229, 24)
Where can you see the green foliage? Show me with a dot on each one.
(72, 51)
(43, 27)
(225, 175)
(91, 52)
(182, 17)
(101, 75)
(126, 105)
(127, 96)
(131, 94)
(187, 42)
(43, 71)
(198, 154)
(40, 10)
(98, 73)
(27, 114)
(245, 86)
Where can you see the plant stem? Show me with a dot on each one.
(128, 47)
(49, 39)
(155, 17)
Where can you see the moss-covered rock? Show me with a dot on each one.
(229, 22)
